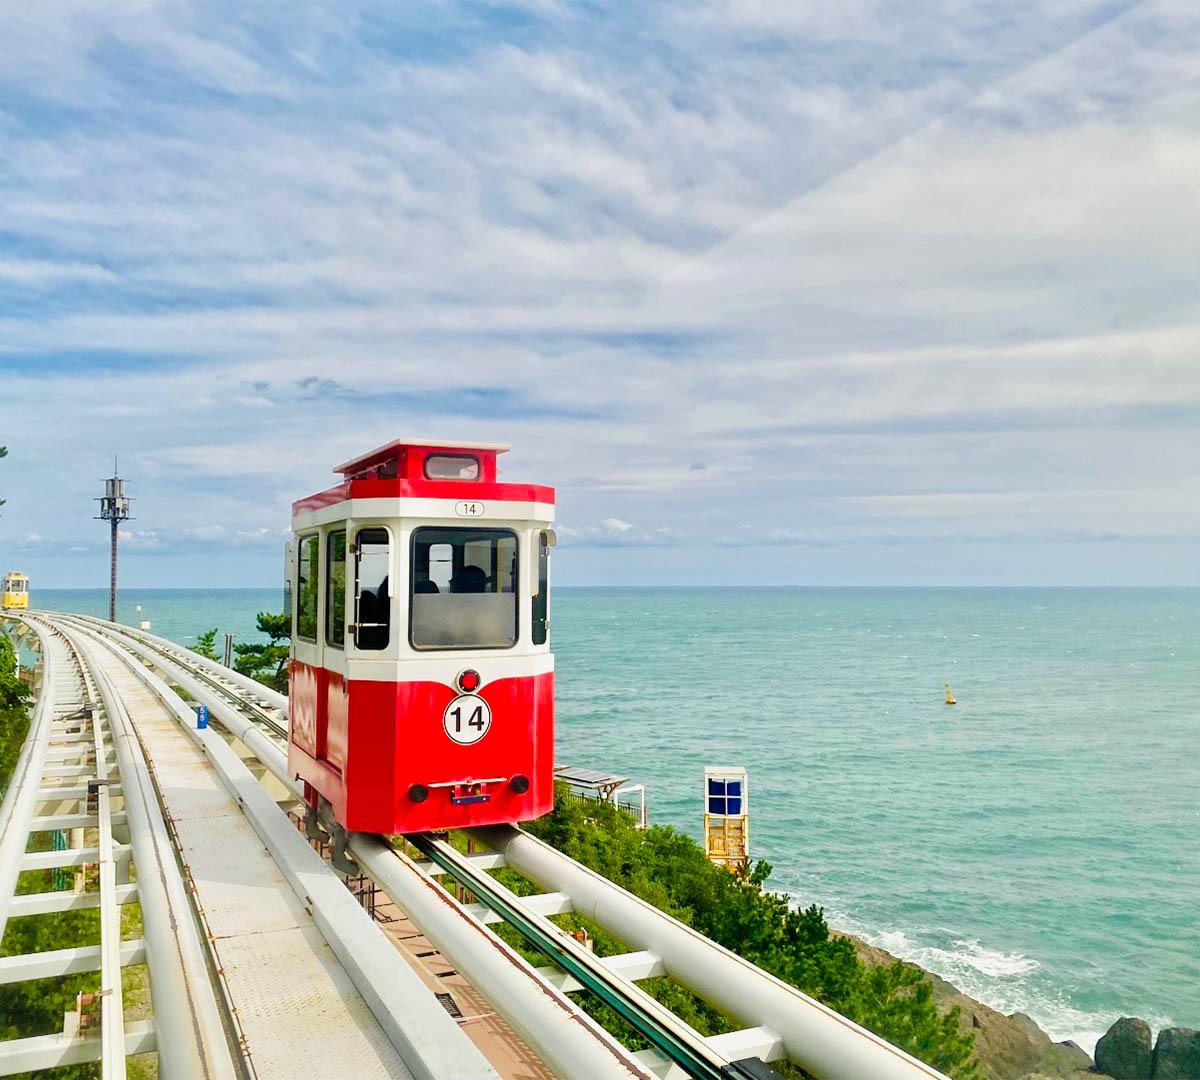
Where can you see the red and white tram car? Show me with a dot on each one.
(421, 677)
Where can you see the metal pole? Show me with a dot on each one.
(112, 580)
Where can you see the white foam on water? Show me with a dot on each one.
(999, 979)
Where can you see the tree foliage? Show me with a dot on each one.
(267, 662)
(206, 644)
(13, 692)
(670, 870)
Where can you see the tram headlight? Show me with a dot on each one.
(469, 681)
(418, 793)
(519, 783)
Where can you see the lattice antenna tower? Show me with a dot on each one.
(114, 508)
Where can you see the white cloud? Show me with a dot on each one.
(588, 244)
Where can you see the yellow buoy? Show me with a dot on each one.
(950, 696)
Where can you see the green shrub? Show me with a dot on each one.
(670, 870)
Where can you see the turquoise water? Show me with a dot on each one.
(1037, 844)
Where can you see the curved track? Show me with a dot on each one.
(780, 1023)
(257, 967)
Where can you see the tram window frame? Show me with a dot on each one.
(335, 606)
(469, 535)
(540, 609)
(432, 473)
(302, 583)
(362, 536)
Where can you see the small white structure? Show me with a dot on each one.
(726, 816)
(588, 784)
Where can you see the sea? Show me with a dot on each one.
(1037, 843)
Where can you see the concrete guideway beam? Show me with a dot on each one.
(22, 796)
(571, 1043)
(813, 1036)
(193, 1042)
(780, 1021)
(416, 1024)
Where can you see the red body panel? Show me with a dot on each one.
(363, 745)
(424, 489)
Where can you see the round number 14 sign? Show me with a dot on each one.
(467, 719)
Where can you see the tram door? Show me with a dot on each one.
(342, 609)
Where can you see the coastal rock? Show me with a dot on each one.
(1124, 1050)
(1008, 1047)
(1177, 1054)
(1068, 1058)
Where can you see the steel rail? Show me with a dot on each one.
(810, 1034)
(112, 1002)
(570, 1042)
(21, 799)
(193, 1040)
(416, 1024)
(112, 954)
(210, 671)
(678, 1042)
(814, 1036)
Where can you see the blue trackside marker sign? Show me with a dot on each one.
(201, 716)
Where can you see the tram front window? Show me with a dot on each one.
(464, 589)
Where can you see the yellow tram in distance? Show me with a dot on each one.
(16, 591)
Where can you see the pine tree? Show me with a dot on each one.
(268, 662)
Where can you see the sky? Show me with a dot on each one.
(771, 291)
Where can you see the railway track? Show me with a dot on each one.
(78, 760)
(295, 979)
(780, 1022)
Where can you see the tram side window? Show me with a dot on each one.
(372, 599)
(308, 572)
(541, 601)
(335, 589)
(464, 589)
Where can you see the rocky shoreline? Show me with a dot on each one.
(1014, 1047)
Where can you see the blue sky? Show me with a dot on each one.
(772, 291)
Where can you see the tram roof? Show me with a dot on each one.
(391, 449)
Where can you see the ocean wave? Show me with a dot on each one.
(1006, 981)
